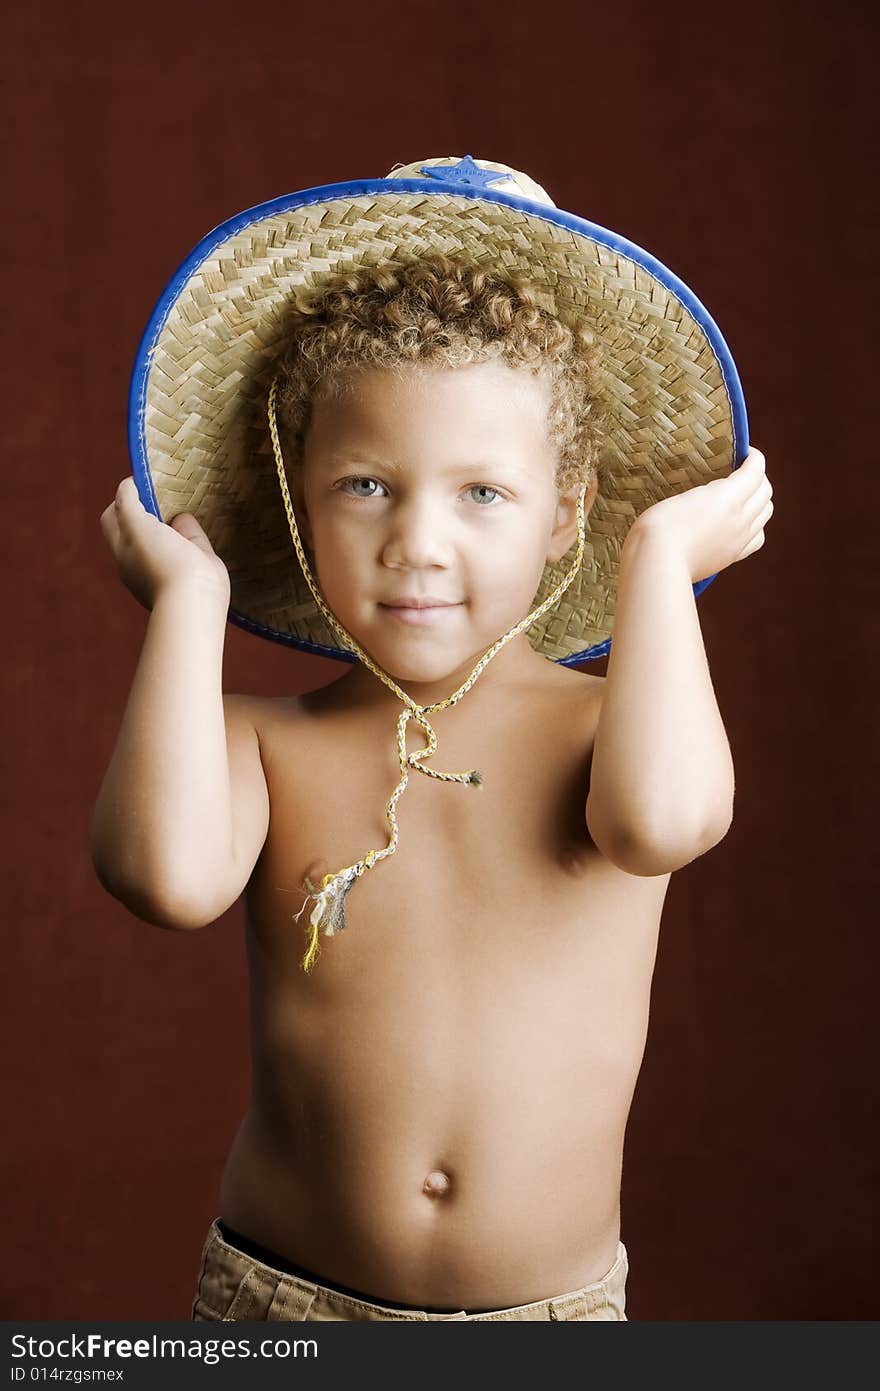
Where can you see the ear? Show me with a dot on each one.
(564, 532)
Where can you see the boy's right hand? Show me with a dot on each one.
(152, 555)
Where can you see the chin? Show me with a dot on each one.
(418, 656)
(411, 669)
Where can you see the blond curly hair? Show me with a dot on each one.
(443, 312)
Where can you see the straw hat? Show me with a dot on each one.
(198, 433)
(203, 431)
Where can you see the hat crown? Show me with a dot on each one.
(474, 173)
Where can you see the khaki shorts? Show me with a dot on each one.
(237, 1284)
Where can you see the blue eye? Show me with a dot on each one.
(482, 488)
(474, 488)
(360, 480)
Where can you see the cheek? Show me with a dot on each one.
(518, 554)
(340, 564)
(503, 578)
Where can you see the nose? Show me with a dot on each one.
(418, 535)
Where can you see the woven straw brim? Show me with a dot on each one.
(211, 358)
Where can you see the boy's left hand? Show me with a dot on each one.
(715, 524)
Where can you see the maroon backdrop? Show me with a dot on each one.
(732, 142)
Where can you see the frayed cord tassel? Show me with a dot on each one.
(328, 914)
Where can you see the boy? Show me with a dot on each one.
(439, 1107)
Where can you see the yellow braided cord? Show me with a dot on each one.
(328, 913)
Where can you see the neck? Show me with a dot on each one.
(515, 662)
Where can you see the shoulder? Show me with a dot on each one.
(262, 707)
(571, 683)
(259, 713)
(574, 706)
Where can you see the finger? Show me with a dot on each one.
(190, 524)
(749, 490)
(756, 528)
(110, 523)
(127, 490)
(187, 526)
(110, 515)
(133, 516)
(128, 500)
(756, 531)
(754, 545)
(766, 514)
(750, 471)
(755, 505)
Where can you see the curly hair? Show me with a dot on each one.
(442, 312)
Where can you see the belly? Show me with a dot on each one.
(448, 1130)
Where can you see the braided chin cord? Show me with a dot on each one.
(328, 913)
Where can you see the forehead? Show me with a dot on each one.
(487, 403)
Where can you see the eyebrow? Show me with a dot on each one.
(393, 466)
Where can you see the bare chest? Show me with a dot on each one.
(500, 878)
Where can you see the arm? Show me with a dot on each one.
(183, 809)
(662, 780)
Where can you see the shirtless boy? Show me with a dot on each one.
(438, 1108)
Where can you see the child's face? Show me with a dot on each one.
(432, 484)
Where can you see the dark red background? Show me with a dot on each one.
(733, 142)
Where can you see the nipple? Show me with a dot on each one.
(436, 1184)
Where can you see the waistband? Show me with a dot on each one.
(247, 1281)
(277, 1262)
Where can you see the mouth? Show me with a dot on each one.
(420, 615)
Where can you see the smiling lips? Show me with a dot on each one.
(419, 601)
(424, 610)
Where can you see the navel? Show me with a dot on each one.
(437, 1184)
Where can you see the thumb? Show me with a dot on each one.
(186, 525)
